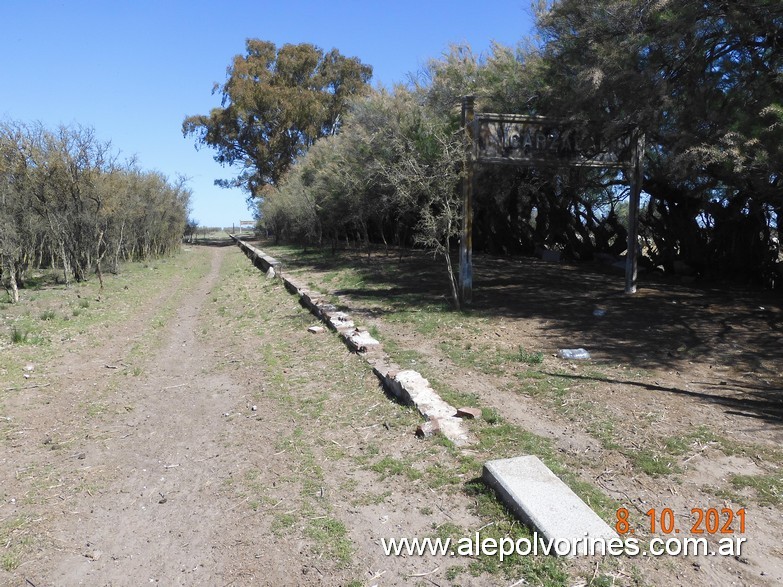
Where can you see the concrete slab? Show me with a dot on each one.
(340, 320)
(542, 501)
(416, 390)
(361, 341)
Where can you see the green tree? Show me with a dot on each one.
(703, 80)
(275, 104)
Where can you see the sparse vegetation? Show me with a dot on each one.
(19, 335)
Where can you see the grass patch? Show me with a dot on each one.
(487, 359)
(330, 538)
(527, 357)
(282, 523)
(389, 466)
(19, 335)
(10, 561)
(768, 488)
(603, 430)
(537, 570)
(12, 535)
(406, 358)
(652, 462)
(48, 315)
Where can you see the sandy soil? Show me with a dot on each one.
(197, 442)
(676, 361)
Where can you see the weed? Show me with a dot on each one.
(84, 303)
(406, 358)
(727, 495)
(529, 358)
(490, 415)
(371, 498)
(10, 561)
(540, 570)
(439, 475)
(388, 466)
(331, 538)
(449, 530)
(486, 358)
(48, 315)
(652, 462)
(19, 335)
(603, 430)
(504, 440)
(283, 522)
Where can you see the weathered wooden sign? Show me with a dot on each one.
(536, 141)
(527, 141)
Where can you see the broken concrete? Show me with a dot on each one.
(469, 413)
(407, 385)
(361, 341)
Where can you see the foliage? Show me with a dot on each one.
(396, 165)
(67, 202)
(701, 80)
(275, 104)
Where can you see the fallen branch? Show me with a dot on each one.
(435, 570)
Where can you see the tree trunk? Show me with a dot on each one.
(100, 254)
(12, 284)
(66, 265)
(452, 277)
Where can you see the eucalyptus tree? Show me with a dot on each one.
(275, 104)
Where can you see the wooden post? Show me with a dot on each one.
(637, 173)
(466, 242)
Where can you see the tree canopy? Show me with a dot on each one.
(66, 201)
(275, 104)
(702, 80)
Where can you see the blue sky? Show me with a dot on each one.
(133, 70)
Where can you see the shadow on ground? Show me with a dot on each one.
(211, 242)
(666, 324)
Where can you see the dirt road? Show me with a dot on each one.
(145, 474)
(184, 428)
(207, 439)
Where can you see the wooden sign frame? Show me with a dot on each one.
(534, 141)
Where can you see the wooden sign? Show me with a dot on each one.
(527, 141)
(513, 139)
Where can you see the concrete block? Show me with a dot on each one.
(360, 340)
(542, 501)
(341, 321)
(418, 392)
(450, 427)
